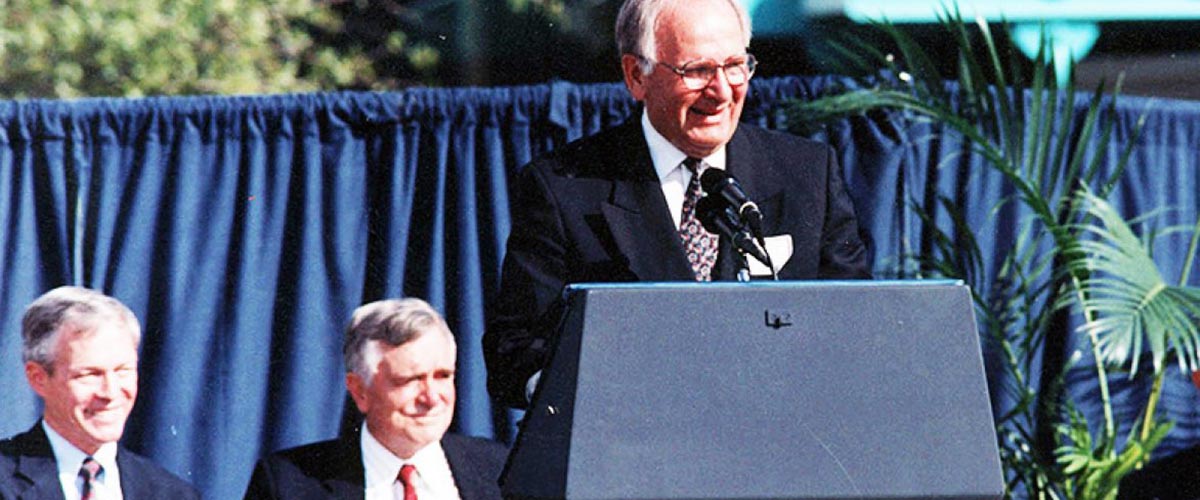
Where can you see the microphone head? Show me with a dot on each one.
(718, 218)
(713, 180)
(710, 211)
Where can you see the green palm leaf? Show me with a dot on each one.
(1128, 304)
(1074, 250)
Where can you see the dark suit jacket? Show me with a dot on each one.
(28, 471)
(334, 470)
(593, 211)
(1176, 477)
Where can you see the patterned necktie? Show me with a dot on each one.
(406, 478)
(699, 245)
(89, 473)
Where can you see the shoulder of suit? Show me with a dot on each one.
(147, 471)
(783, 154)
(9, 450)
(756, 134)
(10, 447)
(475, 445)
(1167, 477)
(318, 451)
(466, 440)
(591, 155)
(30, 442)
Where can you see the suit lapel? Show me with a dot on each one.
(763, 181)
(36, 471)
(763, 184)
(466, 470)
(637, 214)
(460, 463)
(347, 482)
(132, 487)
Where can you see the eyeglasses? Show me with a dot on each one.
(698, 74)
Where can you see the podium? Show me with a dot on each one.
(854, 390)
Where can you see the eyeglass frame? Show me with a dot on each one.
(751, 63)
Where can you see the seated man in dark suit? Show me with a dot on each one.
(400, 362)
(81, 357)
(624, 204)
(1176, 477)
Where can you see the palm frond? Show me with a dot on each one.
(1131, 306)
(1074, 251)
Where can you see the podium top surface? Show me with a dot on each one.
(783, 284)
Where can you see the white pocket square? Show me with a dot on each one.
(779, 248)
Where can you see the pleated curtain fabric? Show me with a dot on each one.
(243, 230)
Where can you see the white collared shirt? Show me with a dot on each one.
(433, 479)
(70, 460)
(668, 161)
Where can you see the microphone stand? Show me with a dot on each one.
(726, 210)
(770, 263)
(719, 218)
(743, 267)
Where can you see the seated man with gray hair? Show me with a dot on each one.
(81, 356)
(400, 364)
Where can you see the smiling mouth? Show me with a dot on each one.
(104, 414)
(432, 414)
(711, 115)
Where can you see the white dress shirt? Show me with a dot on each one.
(70, 460)
(668, 164)
(433, 478)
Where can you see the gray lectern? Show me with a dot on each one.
(761, 390)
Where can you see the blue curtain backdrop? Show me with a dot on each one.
(244, 230)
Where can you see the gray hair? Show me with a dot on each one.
(74, 309)
(394, 322)
(637, 20)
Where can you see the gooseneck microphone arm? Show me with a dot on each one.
(718, 217)
(718, 183)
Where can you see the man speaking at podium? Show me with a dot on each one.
(623, 205)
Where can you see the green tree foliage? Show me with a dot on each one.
(130, 48)
(479, 42)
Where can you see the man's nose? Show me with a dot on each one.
(719, 87)
(110, 385)
(428, 393)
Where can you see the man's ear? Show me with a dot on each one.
(38, 377)
(635, 80)
(358, 390)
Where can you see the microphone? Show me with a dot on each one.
(718, 217)
(718, 183)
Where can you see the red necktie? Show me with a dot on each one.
(406, 478)
(699, 245)
(89, 472)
